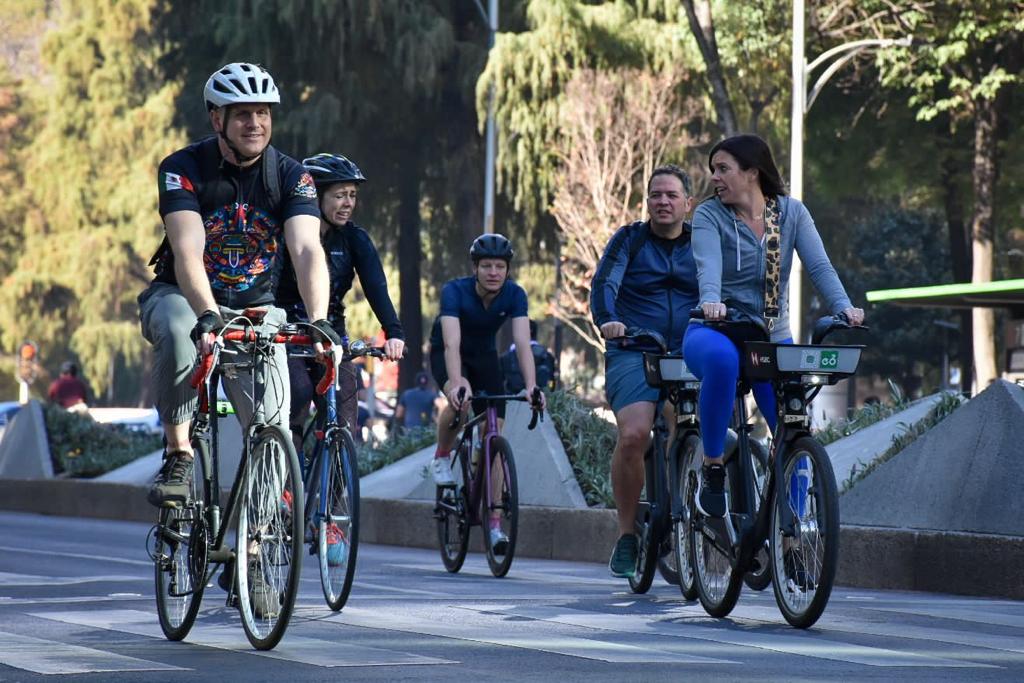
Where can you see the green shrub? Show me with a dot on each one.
(588, 441)
(373, 456)
(863, 417)
(82, 447)
(939, 412)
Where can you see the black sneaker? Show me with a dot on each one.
(710, 496)
(623, 560)
(171, 485)
(796, 570)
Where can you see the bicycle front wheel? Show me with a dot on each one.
(499, 509)
(268, 554)
(804, 539)
(338, 532)
(451, 511)
(686, 485)
(718, 586)
(180, 551)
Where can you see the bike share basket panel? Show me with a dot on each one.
(763, 360)
(662, 369)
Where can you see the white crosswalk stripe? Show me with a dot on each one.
(52, 657)
(293, 648)
(798, 643)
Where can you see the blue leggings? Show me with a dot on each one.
(715, 360)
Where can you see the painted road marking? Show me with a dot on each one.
(53, 657)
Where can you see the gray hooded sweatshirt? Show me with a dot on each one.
(731, 261)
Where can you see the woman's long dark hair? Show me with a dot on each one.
(753, 152)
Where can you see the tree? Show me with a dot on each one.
(964, 64)
(105, 110)
(617, 126)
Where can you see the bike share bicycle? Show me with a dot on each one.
(477, 471)
(799, 519)
(330, 473)
(192, 539)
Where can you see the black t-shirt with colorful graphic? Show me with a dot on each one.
(244, 233)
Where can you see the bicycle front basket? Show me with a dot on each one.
(660, 369)
(818, 360)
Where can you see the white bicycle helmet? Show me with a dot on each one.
(240, 83)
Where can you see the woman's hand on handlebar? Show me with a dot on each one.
(394, 349)
(713, 310)
(854, 316)
(613, 330)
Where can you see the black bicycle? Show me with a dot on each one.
(191, 539)
(485, 483)
(797, 507)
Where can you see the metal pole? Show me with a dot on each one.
(491, 134)
(796, 162)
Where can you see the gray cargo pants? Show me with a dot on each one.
(167, 319)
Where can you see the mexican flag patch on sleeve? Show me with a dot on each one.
(173, 181)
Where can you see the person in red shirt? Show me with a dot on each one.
(68, 391)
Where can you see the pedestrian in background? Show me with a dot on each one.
(69, 391)
(416, 405)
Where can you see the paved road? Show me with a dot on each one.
(76, 599)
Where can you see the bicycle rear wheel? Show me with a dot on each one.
(760, 577)
(686, 485)
(451, 510)
(647, 555)
(269, 551)
(180, 553)
(804, 539)
(503, 467)
(718, 586)
(338, 531)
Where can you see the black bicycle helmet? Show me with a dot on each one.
(491, 246)
(328, 169)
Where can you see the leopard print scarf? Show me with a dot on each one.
(773, 262)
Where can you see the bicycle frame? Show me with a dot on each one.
(481, 474)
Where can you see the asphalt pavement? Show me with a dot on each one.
(76, 602)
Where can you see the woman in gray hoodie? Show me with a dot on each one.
(743, 242)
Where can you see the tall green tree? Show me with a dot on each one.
(105, 111)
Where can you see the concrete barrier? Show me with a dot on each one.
(25, 449)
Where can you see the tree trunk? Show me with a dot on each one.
(409, 257)
(982, 231)
(703, 29)
(960, 258)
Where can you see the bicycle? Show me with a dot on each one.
(331, 480)
(665, 466)
(190, 540)
(800, 521)
(469, 502)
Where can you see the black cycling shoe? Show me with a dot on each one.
(171, 485)
(710, 498)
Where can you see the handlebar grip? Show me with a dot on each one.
(538, 413)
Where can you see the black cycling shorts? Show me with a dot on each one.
(483, 370)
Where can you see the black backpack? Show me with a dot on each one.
(543, 361)
(206, 185)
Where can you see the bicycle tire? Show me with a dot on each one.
(269, 538)
(338, 563)
(760, 578)
(179, 592)
(508, 504)
(686, 485)
(647, 552)
(667, 566)
(718, 586)
(451, 510)
(810, 560)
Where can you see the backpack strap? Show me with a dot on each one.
(271, 172)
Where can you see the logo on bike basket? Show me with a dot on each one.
(817, 359)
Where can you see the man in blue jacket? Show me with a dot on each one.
(646, 279)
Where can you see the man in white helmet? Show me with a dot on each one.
(229, 204)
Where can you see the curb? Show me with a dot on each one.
(871, 557)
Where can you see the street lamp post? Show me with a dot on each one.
(490, 136)
(802, 102)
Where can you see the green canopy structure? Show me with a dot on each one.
(1001, 294)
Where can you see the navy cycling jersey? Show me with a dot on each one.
(350, 252)
(478, 325)
(244, 233)
(645, 281)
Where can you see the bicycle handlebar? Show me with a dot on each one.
(533, 400)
